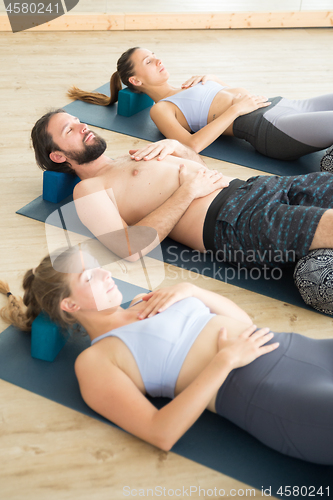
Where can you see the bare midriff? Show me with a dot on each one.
(201, 353)
(204, 349)
(139, 188)
(221, 103)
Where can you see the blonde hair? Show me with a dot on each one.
(44, 289)
(13, 312)
(125, 69)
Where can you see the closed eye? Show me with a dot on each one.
(89, 277)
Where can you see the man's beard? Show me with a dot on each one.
(90, 152)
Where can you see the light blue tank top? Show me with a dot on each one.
(161, 343)
(195, 102)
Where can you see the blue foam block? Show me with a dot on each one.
(47, 338)
(130, 103)
(57, 185)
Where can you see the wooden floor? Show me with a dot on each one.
(47, 450)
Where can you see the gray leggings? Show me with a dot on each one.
(285, 398)
(288, 129)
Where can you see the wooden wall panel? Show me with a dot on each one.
(184, 21)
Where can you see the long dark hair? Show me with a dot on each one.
(125, 69)
(44, 144)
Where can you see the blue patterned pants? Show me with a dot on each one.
(272, 220)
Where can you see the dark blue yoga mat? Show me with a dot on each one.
(228, 149)
(259, 281)
(212, 441)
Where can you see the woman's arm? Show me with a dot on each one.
(219, 304)
(163, 115)
(112, 394)
(163, 298)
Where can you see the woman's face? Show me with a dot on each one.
(148, 69)
(93, 288)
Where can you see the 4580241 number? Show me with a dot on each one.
(32, 8)
(303, 491)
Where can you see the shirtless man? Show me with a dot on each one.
(171, 196)
(174, 196)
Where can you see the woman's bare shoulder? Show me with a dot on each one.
(87, 358)
(161, 107)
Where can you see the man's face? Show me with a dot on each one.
(74, 139)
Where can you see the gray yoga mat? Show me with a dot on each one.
(229, 149)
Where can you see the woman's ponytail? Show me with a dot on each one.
(115, 87)
(91, 97)
(29, 298)
(44, 289)
(14, 312)
(97, 97)
(125, 69)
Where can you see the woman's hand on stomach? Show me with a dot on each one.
(245, 348)
(247, 103)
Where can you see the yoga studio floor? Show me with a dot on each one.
(46, 450)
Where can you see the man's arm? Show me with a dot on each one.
(163, 148)
(96, 208)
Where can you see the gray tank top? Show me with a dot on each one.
(195, 102)
(161, 343)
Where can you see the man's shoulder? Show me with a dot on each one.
(88, 186)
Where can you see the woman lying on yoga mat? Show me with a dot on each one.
(188, 344)
(280, 128)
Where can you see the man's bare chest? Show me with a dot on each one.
(138, 188)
